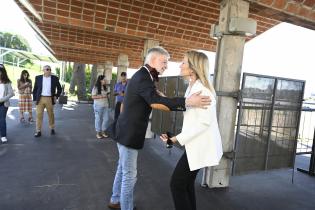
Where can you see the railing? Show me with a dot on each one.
(306, 131)
(306, 138)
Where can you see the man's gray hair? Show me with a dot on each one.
(156, 50)
(46, 66)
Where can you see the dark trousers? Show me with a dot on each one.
(183, 185)
(3, 123)
(117, 110)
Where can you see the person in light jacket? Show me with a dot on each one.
(200, 133)
(6, 92)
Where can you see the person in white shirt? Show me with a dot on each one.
(6, 92)
(100, 96)
(200, 132)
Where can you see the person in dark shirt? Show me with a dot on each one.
(119, 92)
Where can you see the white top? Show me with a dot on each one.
(200, 132)
(6, 92)
(102, 102)
(2, 90)
(46, 90)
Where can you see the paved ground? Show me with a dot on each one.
(74, 171)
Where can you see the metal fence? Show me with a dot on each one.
(306, 131)
(305, 149)
(169, 121)
(268, 121)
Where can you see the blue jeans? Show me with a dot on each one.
(3, 123)
(125, 178)
(101, 118)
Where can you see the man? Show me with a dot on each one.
(47, 90)
(141, 95)
(119, 92)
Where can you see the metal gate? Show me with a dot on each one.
(268, 122)
(169, 121)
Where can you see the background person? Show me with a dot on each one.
(46, 91)
(6, 92)
(119, 92)
(25, 95)
(101, 110)
(200, 133)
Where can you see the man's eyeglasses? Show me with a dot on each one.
(47, 69)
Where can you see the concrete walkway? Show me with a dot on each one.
(74, 171)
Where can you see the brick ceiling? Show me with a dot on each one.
(96, 31)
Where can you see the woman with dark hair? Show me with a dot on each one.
(100, 97)
(25, 98)
(6, 92)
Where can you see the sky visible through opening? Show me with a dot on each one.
(284, 51)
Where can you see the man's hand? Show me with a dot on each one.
(197, 100)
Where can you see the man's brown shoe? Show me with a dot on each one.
(117, 206)
(114, 205)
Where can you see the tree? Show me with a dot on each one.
(13, 41)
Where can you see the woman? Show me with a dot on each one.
(200, 133)
(6, 92)
(25, 98)
(100, 96)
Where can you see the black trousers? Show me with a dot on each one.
(183, 185)
(117, 110)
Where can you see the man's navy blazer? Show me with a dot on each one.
(55, 88)
(132, 123)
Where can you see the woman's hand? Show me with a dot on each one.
(163, 137)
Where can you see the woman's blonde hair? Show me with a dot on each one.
(199, 63)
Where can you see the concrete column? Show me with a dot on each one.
(149, 43)
(122, 65)
(108, 69)
(227, 79)
(93, 77)
(78, 79)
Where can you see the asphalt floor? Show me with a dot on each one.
(73, 170)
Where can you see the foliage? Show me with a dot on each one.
(69, 71)
(58, 72)
(88, 72)
(13, 41)
(114, 76)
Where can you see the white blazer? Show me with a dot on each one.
(200, 132)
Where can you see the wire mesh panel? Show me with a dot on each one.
(254, 117)
(268, 122)
(156, 120)
(169, 121)
(285, 123)
(168, 118)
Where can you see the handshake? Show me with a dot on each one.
(166, 137)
